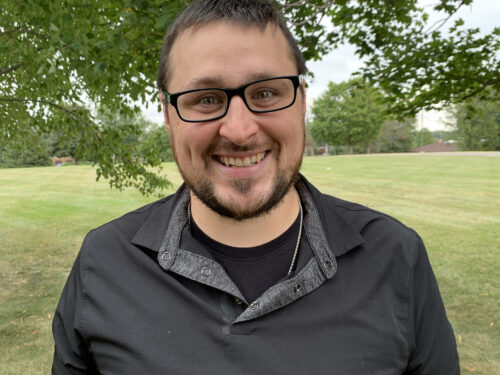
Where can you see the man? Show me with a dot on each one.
(247, 269)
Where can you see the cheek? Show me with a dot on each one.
(289, 132)
(295, 141)
(192, 142)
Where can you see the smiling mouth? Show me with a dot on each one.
(231, 161)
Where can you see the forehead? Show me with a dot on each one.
(227, 54)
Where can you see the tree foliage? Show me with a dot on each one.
(445, 135)
(58, 57)
(347, 114)
(395, 136)
(417, 65)
(157, 142)
(32, 152)
(60, 145)
(477, 125)
(423, 137)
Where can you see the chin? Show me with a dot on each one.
(243, 199)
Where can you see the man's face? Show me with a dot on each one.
(228, 55)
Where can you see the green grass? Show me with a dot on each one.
(452, 201)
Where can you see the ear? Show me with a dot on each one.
(304, 104)
(164, 107)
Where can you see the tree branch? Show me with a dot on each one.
(46, 102)
(26, 29)
(302, 3)
(318, 9)
(11, 68)
(442, 21)
(484, 85)
(7, 32)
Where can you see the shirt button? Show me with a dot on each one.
(328, 264)
(296, 288)
(205, 272)
(254, 305)
(165, 255)
(238, 301)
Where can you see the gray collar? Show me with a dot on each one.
(168, 216)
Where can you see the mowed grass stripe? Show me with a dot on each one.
(452, 201)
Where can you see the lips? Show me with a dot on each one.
(233, 161)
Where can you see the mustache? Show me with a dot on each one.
(225, 146)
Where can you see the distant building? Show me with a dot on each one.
(436, 147)
(61, 160)
(322, 150)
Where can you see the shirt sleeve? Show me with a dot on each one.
(434, 347)
(71, 356)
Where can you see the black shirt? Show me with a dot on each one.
(142, 298)
(253, 269)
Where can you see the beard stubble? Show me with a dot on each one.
(204, 189)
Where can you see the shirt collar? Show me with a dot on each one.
(153, 231)
(329, 234)
(329, 214)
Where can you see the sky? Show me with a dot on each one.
(339, 64)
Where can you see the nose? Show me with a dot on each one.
(238, 125)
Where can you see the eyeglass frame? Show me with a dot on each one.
(239, 91)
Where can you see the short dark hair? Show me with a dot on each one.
(248, 12)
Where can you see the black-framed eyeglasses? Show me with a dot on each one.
(265, 95)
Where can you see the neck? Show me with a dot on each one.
(249, 232)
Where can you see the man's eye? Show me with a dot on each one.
(263, 94)
(209, 100)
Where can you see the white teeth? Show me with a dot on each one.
(238, 162)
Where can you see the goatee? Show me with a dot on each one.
(206, 194)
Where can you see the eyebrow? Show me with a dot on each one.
(218, 81)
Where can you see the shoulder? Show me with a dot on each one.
(131, 234)
(128, 224)
(110, 258)
(364, 219)
(375, 232)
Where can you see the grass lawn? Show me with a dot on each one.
(452, 201)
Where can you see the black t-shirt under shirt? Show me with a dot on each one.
(253, 269)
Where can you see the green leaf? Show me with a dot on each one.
(121, 43)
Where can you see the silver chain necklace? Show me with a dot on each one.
(296, 251)
(299, 237)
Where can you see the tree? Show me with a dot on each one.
(157, 142)
(33, 152)
(59, 56)
(477, 125)
(347, 114)
(59, 145)
(423, 137)
(395, 136)
(445, 135)
(416, 64)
